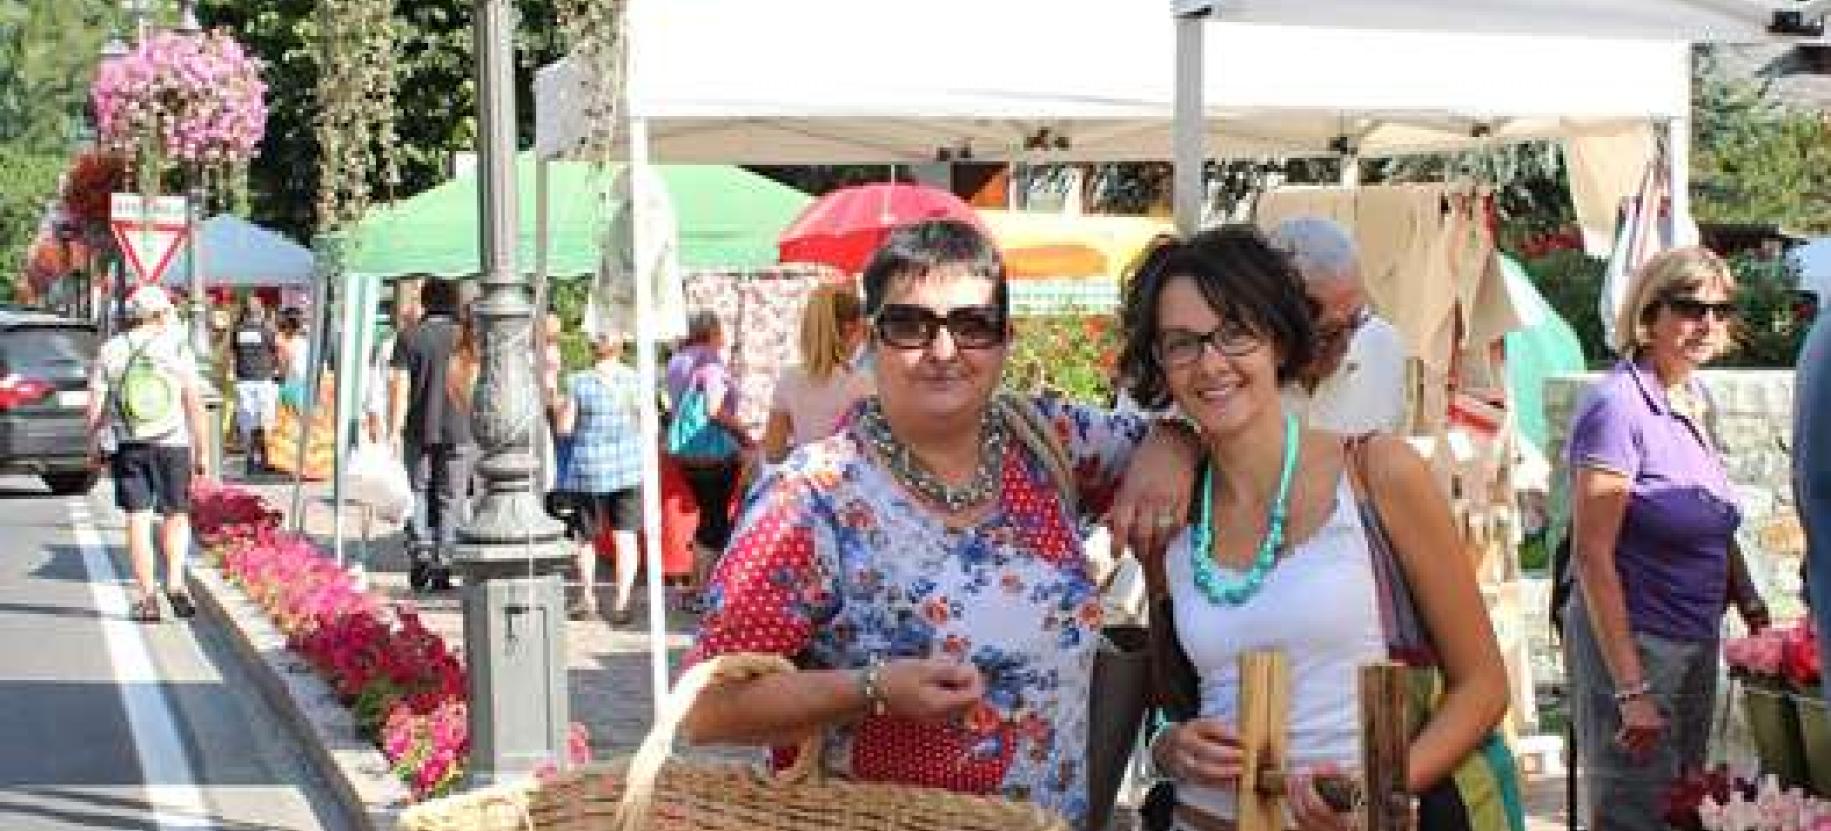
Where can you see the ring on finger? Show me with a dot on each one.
(1165, 519)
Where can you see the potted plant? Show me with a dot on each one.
(1756, 662)
(1799, 661)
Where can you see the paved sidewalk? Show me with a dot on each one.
(609, 666)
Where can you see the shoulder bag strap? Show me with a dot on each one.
(1407, 639)
(1032, 428)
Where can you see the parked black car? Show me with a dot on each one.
(44, 397)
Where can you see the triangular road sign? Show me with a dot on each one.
(149, 233)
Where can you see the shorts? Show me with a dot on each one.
(257, 405)
(589, 515)
(152, 477)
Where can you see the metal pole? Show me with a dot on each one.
(1678, 180)
(1189, 129)
(647, 361)
(509, 552)
(200, 317)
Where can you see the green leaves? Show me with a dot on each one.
(1755, 160)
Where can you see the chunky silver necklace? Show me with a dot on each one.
(904, 465)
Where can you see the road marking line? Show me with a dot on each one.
(171, 790)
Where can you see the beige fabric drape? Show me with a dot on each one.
(1605, 169)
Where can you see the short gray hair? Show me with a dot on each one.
(1320, 247)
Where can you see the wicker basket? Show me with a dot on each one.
(652, 792)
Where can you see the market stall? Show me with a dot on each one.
(1041, 98)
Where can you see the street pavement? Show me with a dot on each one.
(106, 723)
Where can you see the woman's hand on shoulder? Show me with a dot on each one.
(1152, 503)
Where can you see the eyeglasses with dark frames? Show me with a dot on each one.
(905, 326)
(1694, 310)
(1181, 347)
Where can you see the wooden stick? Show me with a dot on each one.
(1385, 748)
(1265, 705)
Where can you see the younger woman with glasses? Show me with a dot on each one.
(922, 566)
(1653, 542)
(1297, 548)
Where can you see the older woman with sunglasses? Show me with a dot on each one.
(1653, 541)
(923, 566)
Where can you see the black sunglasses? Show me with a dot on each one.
(1694, 310)
(915, 327)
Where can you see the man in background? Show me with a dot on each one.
(255, 356)
(1357, 382)
(431, 436)
(146, 419)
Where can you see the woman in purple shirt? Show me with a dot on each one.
(1654, 522)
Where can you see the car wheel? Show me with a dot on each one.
(70, 482)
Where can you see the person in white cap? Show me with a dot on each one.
(146, 417)
(1357, 382)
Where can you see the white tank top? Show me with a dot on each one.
(1318, 605)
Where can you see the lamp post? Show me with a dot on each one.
(509, 553)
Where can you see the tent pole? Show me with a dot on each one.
(543, 303)
(647, 359)
(1678, 180)
(1189, 128)
(314, 353)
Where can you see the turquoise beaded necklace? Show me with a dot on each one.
(1224, 591)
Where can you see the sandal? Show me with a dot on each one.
(145, 610)
(181, 603)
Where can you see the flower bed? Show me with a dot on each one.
(1780, 674)
(405, 687)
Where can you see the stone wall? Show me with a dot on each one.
(1754, 422)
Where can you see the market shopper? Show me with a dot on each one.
(146, 418)
(430, 435)
(598, 413)
(254, 346)
(1356, 382)
(1303, 540)
(922, 565)
(1653, 543)
(705, 436)
(811, 399)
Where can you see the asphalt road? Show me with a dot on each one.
(106, 723)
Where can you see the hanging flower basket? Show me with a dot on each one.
(196, 99)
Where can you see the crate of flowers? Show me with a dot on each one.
(1778, 674)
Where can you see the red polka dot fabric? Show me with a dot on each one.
(834, 564)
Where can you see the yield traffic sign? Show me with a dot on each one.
(149, 232)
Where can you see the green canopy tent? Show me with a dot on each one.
(728, 217)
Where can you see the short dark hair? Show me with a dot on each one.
(922, 247)
(702, 325)
(1246, 282)
(439, 296)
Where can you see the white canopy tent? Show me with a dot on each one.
(837, 81)
(1075, 81)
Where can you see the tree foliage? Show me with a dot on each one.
(436, 83)
(48, 51)
(1755, 160)
(28, 181)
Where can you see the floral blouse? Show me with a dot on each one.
(833, 565)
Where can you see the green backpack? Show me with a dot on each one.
(147, 397)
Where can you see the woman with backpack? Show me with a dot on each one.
(705, 436)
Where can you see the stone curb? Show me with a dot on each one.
(370, 795)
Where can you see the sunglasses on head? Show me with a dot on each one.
(915, 327)
(1694, 310)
